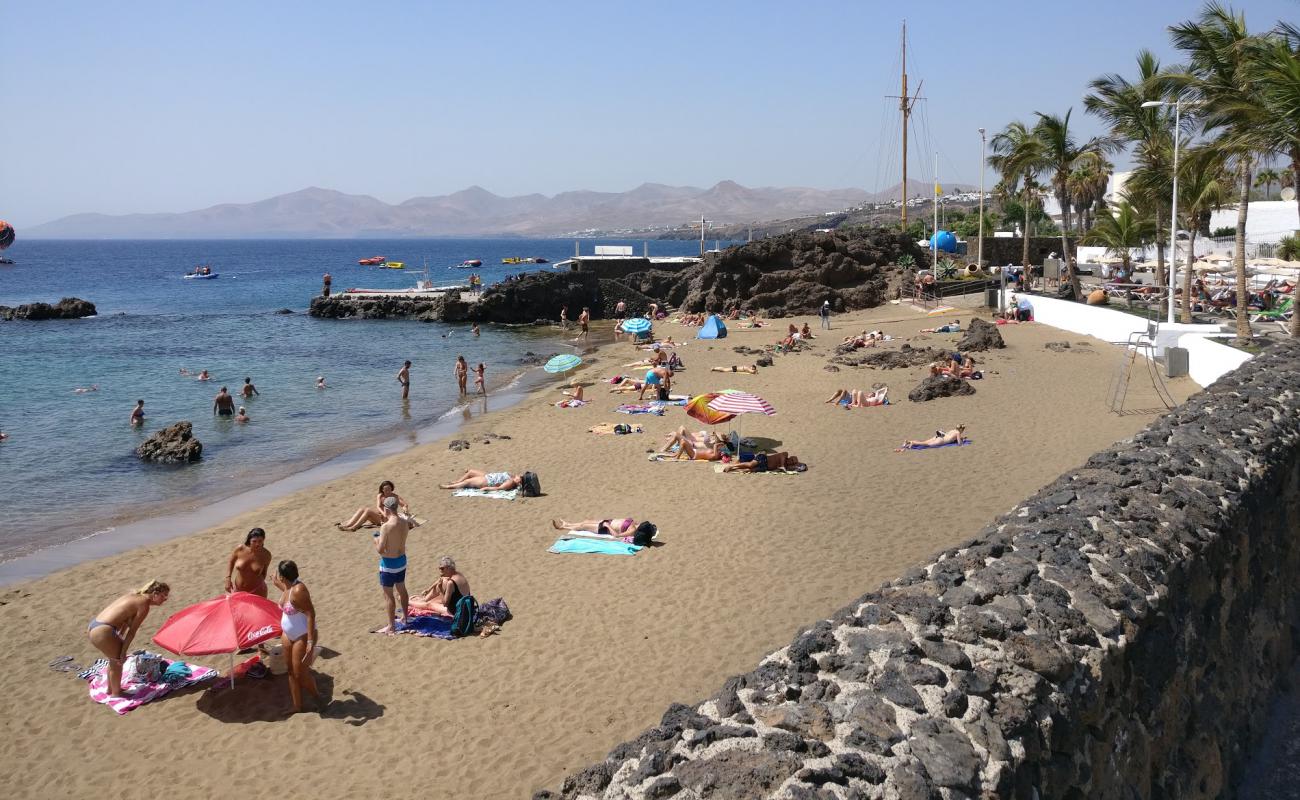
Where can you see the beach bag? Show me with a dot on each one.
(462, 620)
(530, 485)
(645, 534)
(143, 667)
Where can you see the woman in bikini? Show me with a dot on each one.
(442, 596)
(752, 369)
(113, 628)
(707, 447)
(248, 565)
(955, 436)
(374, 515)
(857, 398)
(480, 479)
(298, 632)
(604, 527)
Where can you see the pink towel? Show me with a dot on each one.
(141, 693)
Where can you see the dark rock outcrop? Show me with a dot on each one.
(67, 308)
(174, 444)
(538, 296)
(788, 275)
(981, 336)
(940, 386)
(344, 306)
(284, 311)
(905, 356)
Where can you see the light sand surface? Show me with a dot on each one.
(599, 645)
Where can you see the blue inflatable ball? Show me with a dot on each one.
(944, 241)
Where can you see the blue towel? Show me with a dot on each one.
(435, 626)
(937, 446)
(614, 548)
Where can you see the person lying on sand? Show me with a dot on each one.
(955, 436)
(442, 596)
(112, 629)
(624, 384)
(659, 345)
(752, 369)
(860, 399)
(619, 526)
(370, 516)
(492, 481)
(765, 462)
(711, 449)
(951, 327)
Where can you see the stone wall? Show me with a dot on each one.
(1118, 635)
(1000, 251)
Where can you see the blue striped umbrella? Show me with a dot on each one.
(562, 363)
(636, 325)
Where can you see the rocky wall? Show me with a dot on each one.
(1117, 635)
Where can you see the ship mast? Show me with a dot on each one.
(905, 105)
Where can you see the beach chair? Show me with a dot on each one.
(1280, 314)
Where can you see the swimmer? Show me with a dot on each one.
(320, 381)
(137, 414)
(242, 416)
(203, 376)
(94, 387)
(249, 390)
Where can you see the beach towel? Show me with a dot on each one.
(571, 403)
(140, 693)
(434, 626)
(670, 458)
(937, 446)
(610, 429)
(640, 408)
(496, 494)
(605, 537)
(422, 622)
(612, 548)
(674, 400)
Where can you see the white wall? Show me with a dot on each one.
(1207, 359)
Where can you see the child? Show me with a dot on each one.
(478, 379)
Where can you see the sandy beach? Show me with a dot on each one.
(599, 646)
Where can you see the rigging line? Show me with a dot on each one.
(880, 142)
(889, 138)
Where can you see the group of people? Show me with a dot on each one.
(223, 405)
(866, 339)
(461, 371)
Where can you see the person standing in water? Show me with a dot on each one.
(474, 329)
(112, 629)
(390, 543)
(249, 389)
(584, 322)
(462, 373)
(137, 414)
(223, 404)
(404, 378)
(248, 565)
(325, 285)
(479, 385)
(564, 318)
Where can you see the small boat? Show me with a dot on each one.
(394, 265)
(512, 260)
(201, 273)
(473, 262)
(6, 260)
(539, 260)
(373, 261)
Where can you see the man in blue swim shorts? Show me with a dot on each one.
(390, 543)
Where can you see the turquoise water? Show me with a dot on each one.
(68, 469)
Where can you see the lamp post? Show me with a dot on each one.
(979, 253)
(1173, 215)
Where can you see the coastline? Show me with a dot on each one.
(596, 648)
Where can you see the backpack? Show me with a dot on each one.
(530, 485)
(462, 621)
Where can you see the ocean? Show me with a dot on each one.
(68, 469)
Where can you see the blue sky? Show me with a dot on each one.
(151, 106)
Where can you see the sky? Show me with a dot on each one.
(163, 106)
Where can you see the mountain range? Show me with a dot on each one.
(326, 213)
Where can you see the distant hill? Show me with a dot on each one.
(326, 213)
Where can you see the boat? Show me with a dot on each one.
(512, 260)
(373, 261)
(201, 273)
(473, 262)
(524, 260)
(4, 260)
(394, 265)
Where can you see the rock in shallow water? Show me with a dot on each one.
(67, 308)
(174, 444)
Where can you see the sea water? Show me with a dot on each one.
(68, 469)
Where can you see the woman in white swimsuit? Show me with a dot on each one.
(299, 635)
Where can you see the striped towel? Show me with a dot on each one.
(140, 693)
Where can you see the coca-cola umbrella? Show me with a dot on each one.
(225, 624)
(6, 234)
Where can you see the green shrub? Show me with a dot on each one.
(1224, 232)
(1289, 248)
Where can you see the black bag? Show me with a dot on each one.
(531, 486)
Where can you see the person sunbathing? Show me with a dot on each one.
(951, 327)
(575, 393)
(858, 398)
(708, 449)
(697, 438)
(618, 526)
(490, 481)
(733, 315)
(806, 332)
(442, 596)
(752, 369)
(766, 462)
(955, 436)
(370, 516)
(625, 384)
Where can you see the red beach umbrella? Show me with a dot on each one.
(225, 624)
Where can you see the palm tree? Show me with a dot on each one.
(1019, 157)
(1266, 178)
(1220, 75)
(1118, 101)
(1121, 230)
(1061, 153)
(1277, 76)
(1203, 184)
(1087, 184)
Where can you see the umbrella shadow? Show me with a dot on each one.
(268, 700)
(765, 443)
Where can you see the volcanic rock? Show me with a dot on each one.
(981, 336)
(905, 356)
(940, 386)
(67, 308)
(174, 444)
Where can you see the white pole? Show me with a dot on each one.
(980, 253)
(1173, 218)
(934, 238)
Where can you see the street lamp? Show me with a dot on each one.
(1173, 216)
(979, 257)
